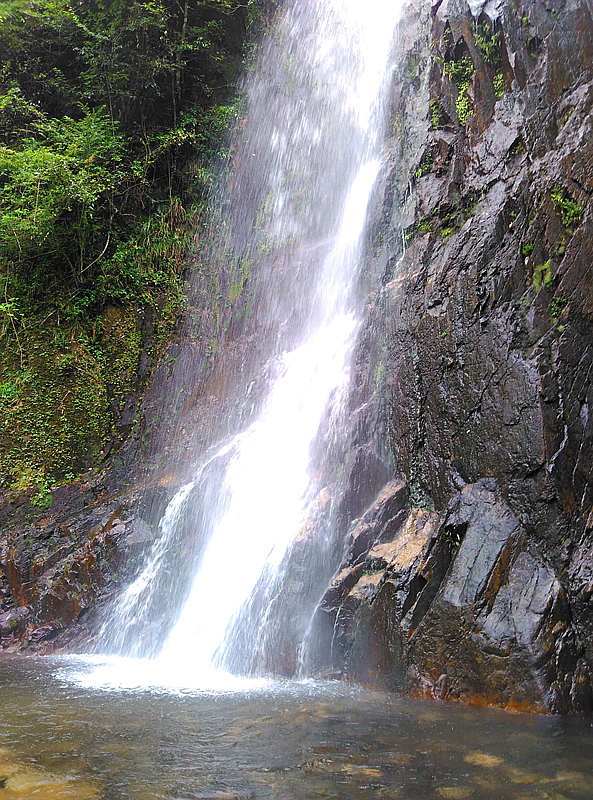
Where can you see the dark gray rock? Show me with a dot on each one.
(458, 605)
(482, 335)
(14, 622)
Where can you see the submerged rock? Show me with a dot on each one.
(19, 781)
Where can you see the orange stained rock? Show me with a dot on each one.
(409, 544)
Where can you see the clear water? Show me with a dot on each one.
(272, 741)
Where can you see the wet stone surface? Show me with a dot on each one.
(477, 361)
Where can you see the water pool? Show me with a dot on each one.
(277, 741)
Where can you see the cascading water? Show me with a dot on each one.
(292, 225)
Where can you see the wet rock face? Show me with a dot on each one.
(458, 605)
(59, 566)
(481, 351)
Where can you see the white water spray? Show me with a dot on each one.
(305, 169)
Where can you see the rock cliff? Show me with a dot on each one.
(475, 370)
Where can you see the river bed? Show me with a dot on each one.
(277, 741)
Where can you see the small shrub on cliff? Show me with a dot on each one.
(489, 44)
(542, 276)
(453, 537)
(460, 71)
(498, 82)
(425, 165)
(570, 211)
(527, 249)
(434, 114)
(463, 106)
(558, 305)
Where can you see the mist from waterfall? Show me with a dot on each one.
(304, 165)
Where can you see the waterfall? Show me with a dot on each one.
(292, 225)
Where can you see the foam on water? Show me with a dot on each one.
(118, 673)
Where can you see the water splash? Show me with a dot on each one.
(294, 215)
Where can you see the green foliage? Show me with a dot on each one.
(517, 147)
(463, 105)
(452, 537)
(425, 165)
(558, 305)
(44, 497)
(111, 114)
(256, 9)
(527, 248)
(434, 114)
(8, 393)
(567, 115)
(239, 279)
(78, 181)
(148, 263)
(56, 411)
(542, 276)
(461, 72)
(499, 84)
(53, 190)
(570, 211)
(424, 225)
(120, 349)
(489, 44)
(17, 115)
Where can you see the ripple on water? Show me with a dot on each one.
(285, 741)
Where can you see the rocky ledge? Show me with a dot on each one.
(455, 604)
